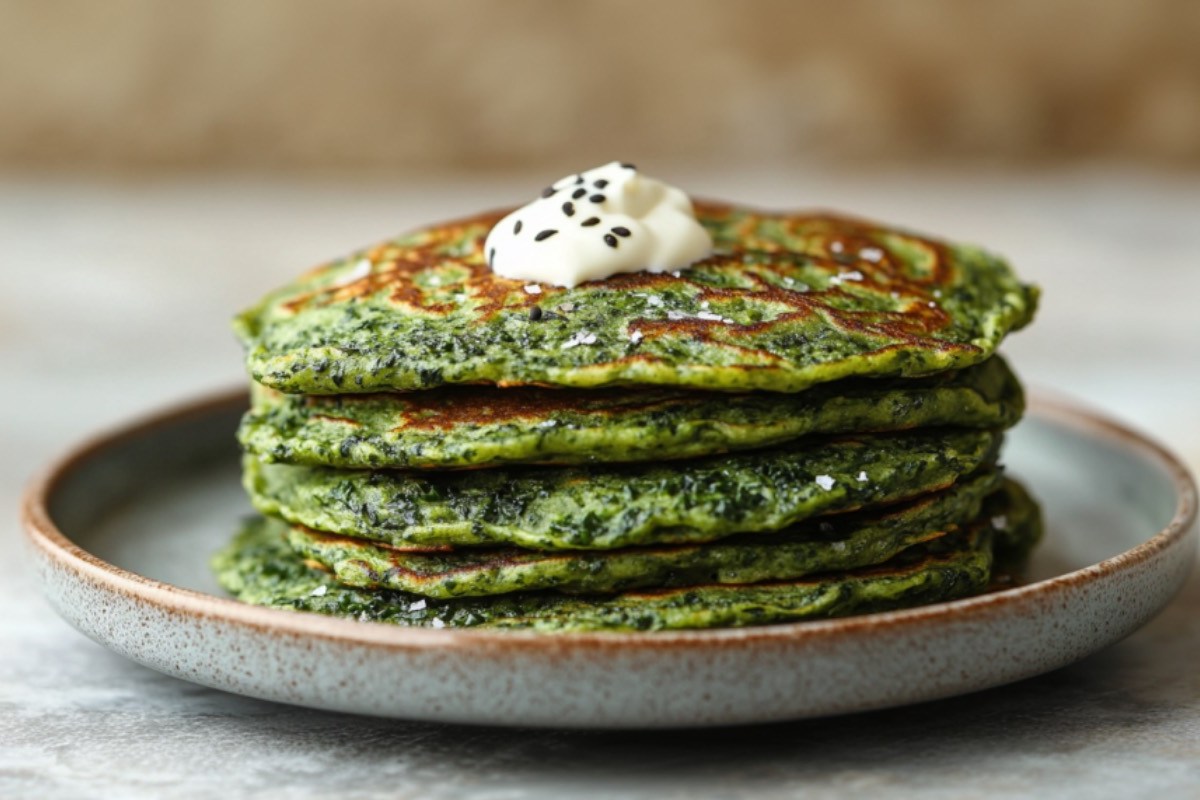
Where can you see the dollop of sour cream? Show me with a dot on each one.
(595, 224)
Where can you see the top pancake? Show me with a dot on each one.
(785, 302)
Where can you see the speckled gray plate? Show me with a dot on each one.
(122, 529)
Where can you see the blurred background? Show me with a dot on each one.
(470, 84)
(162, 163)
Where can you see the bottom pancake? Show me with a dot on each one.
(260, 568)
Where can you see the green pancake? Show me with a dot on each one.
(485, 426)
(259, 568)
(1014, 543)
(786, 302)
(841, 542)
(598, 508)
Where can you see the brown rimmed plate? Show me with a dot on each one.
(122, 529)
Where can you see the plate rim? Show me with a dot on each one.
(44, 535)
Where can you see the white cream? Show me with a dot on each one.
(596, 224)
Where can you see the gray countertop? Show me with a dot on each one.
(117, 296)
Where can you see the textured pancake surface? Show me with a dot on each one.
(840, 542)
(619, 506)
(481, 426)
(785, 302)
(260, 568)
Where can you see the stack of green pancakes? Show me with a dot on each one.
(805, 424)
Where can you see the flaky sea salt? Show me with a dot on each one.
(581, 337)
(362, 269)
(842, 277)
(825, 482)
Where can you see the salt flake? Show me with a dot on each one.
(582, 337)
(361, 270)
(825, 482)
(862, 477)
(842, 277)
(319, 591)
(533, 288)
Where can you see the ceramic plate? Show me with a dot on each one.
(123, 528)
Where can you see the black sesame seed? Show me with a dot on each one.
(578, 193)
(549, 191)
(597, 198)
(621, 230)
(491, 256)
(610, 240)
(546, 234)
(600, 184)
(517, 228)
(578, 179)
(590, 221)
(569, 208)
(627, 165)
(535, 313)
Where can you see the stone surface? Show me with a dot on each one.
(145, 277)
